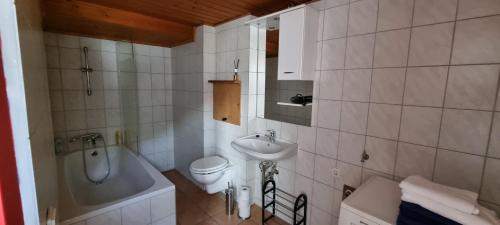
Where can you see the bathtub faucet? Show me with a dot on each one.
(90, 137)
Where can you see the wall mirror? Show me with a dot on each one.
(282, 100)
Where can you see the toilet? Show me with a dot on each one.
(213, 172)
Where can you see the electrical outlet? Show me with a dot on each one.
(336, 172)
(346, 191)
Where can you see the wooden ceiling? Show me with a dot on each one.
(157, 22)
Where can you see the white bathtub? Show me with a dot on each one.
(134, 193)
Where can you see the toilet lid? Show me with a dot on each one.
(209, 164)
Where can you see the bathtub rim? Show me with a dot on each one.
(161, 185)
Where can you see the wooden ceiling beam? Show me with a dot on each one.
(55, 10)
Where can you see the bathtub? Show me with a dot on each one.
(134, 193)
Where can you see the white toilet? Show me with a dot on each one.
(213, 172)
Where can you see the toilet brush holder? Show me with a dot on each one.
(229, 200)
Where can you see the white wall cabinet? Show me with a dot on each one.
(297, 44)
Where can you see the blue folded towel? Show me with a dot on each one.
(413, 214)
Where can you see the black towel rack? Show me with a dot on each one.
(278, 200)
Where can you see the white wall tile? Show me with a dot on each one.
(72, 80)
(382, 154)
(391, 48)
(137, 214)
(430, 12)
(327, 142)
(415, 160)
(333, 52)
(490, 190)
(163, 205)
(323, 170)
(307, 138)
(420, 125)
(357, 85)
(394, 14)
(303, 185)
(323, 197)
(335, 22)
(425, 86)
(431, 45)
(360, 51)
(363, 17)
(109, 218)
(383, 121)
(388, 85)
(73, 100)
(472, 87)
(170, 220)
(349, 175)
(477, 8)
(458, 170)
(68, 41)
(351, 147)
(329, 114)
(69, 58)
(494, 145)
(354, 117)
(465, 131)
(320, 217)
(330, 85)
(305, 164)
(476, 42)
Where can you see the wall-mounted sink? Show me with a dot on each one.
(261, 147)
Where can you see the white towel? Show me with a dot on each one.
(485, 216)
(459, 199)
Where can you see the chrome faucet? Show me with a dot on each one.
(90, 137)
(271, 135)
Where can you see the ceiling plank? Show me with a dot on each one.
(57, 10)
(162, 22)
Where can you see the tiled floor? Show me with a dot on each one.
(196, 207)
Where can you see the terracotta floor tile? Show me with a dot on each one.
(223, 219)
(208, 221)
(193, 216)
(213, 205)
(248, 222)
(196, 207)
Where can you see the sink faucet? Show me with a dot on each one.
(271, 135)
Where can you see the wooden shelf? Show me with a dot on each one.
(227, 100)
(225, 81)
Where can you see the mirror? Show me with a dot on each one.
(282, 100)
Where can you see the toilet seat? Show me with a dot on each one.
(208, 165)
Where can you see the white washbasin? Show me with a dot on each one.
(258, 146)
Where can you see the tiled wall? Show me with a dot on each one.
(157, 210)
(412, 82)
(188, 85)
(74, 112)
(154, 82)
(232, 43)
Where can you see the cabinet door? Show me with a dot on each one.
(291, 39)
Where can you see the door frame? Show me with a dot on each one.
(11, 212)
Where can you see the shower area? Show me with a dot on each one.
(112, 116)
(117, 89)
